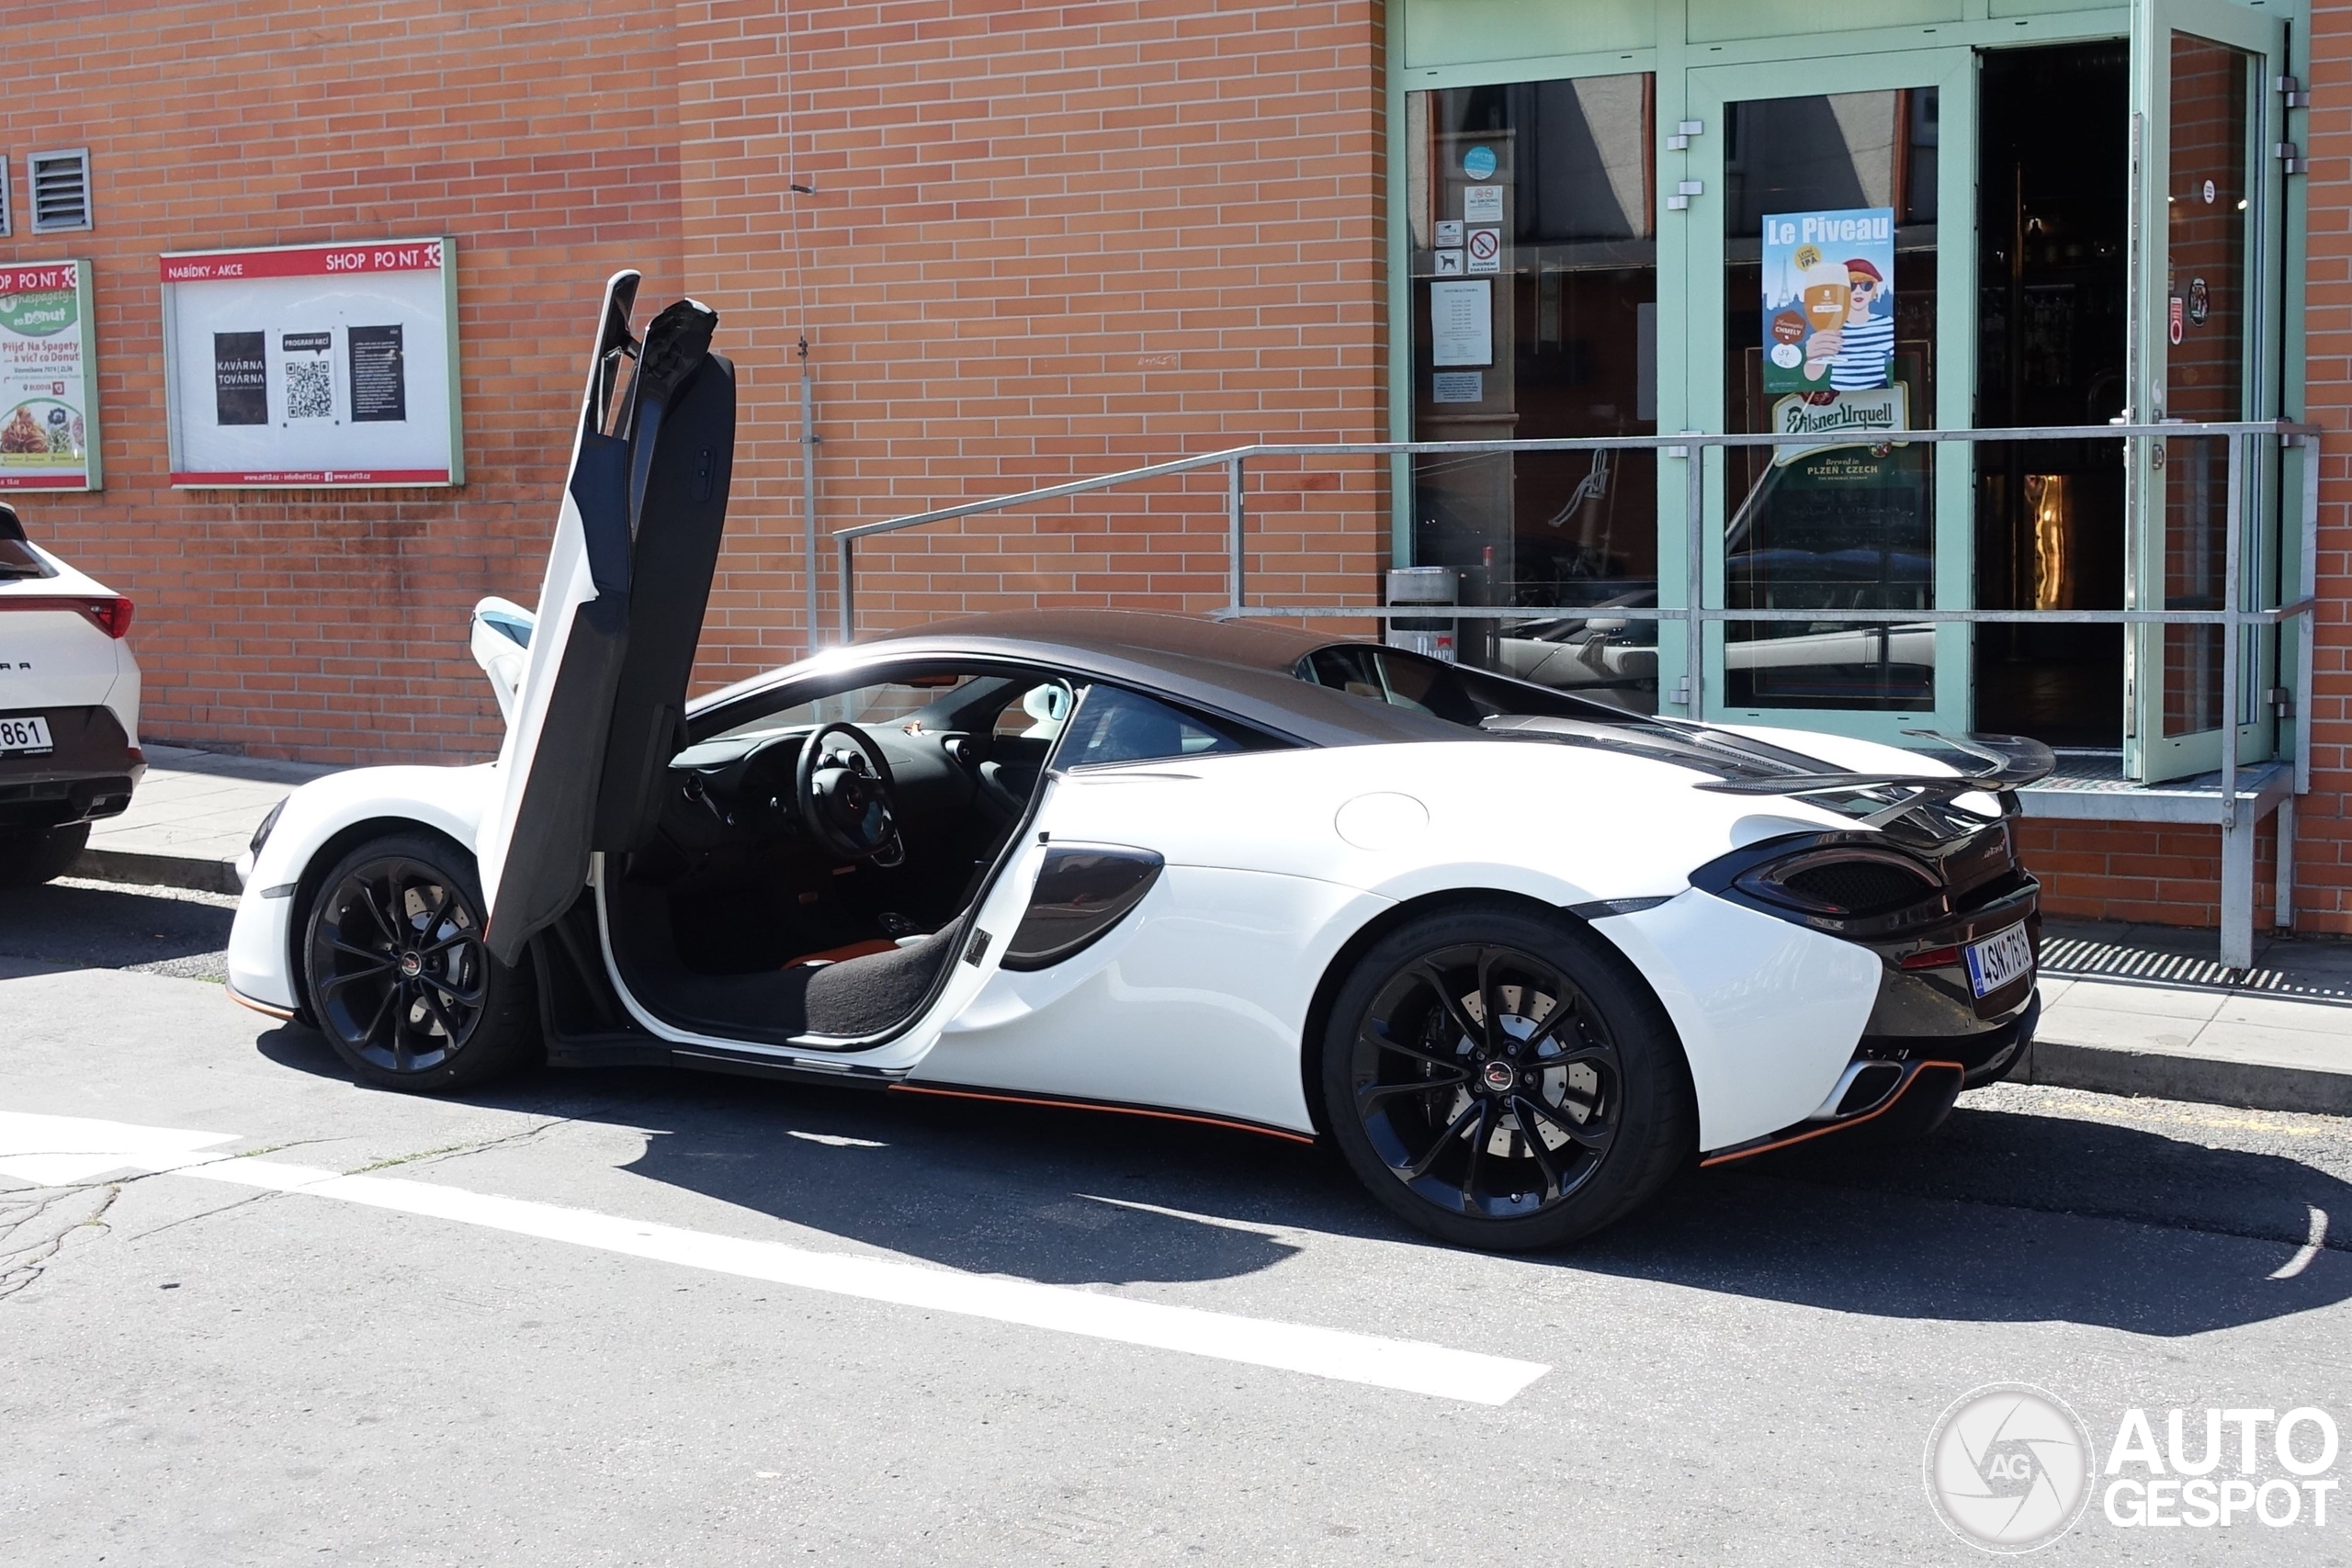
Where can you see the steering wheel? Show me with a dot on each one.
(843, 788)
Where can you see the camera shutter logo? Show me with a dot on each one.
(2009, 1467)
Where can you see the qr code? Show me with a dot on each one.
(310, 389)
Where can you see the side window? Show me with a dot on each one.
(1115, 726)
(1362, 669)
(1445, 691)
(1038, 714)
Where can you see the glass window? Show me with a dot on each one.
(1037, 715)
(1115, 726)
(905, 699)
(1535, 261)
(1829, 247)
(2205, 229)
(1428, 685)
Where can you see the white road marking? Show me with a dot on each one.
(66, 1148)
(2308, 1250)
(835, 1139)
(57, 1151)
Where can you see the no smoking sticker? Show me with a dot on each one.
(1485, 250)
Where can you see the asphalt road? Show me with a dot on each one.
(719, 1328)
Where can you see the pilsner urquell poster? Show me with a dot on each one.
(1829, 300)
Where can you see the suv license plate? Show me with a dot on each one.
(1998, 959)
(24, 736)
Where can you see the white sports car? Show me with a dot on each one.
(1517, 955)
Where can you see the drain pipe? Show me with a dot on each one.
(808, 482)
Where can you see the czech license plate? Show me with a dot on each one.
(25, 736)
(1998, 959)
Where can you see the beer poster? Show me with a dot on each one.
(1829, 300)
(49, 378)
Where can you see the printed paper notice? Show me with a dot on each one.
(1461, 322)
(1482, 204)
(49, 411)
(378, 391)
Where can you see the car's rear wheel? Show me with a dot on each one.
(399, 978)
(29, 859)
(1497, 1078)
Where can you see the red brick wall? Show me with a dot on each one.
(331, 624)
(1048, 241)
(2323, 830)
(2159, 875)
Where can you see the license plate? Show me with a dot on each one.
(1998, 959)
(24, 736)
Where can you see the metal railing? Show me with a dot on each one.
(1694, 614)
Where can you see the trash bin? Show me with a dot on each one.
(1432, 585)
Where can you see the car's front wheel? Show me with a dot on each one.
(399, 977)
(42, 854)
(1496, 1080)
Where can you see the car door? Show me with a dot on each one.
(619, 610)
(1134, 963)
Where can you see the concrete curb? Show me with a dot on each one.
(2209, 1081)
(157, 871)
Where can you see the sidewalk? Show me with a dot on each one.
(2126, 1010)
(190, 819)
(2147, 1010)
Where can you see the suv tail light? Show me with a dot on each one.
(109, 613)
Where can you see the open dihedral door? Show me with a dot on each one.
(600, 706)
(2207, 226)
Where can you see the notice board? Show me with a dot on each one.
(49, 377)
(314, 365)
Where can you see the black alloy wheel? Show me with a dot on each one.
(399, 978)
(1496, 1080)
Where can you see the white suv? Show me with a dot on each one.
(69, 708)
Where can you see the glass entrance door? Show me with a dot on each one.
(2206, 220)
(1531, 239)
(1830, 271)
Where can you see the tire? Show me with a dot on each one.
(1411, 1077)
(27, 860)
(397, 976)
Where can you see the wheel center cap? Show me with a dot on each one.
(1499, 1076)
(412, 964)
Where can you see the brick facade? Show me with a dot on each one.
(1044, 242)
(331, 624)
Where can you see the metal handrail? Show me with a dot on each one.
(1690, 446)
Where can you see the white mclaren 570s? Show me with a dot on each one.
(1517, 955)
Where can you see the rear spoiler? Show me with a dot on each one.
(2014, 762)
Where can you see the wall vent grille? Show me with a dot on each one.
(59, 186)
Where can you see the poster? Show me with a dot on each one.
(314, 365)
(49, 378)
(1461, 323)
(1829, 300)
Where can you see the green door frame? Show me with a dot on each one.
(1457, 43)
(1704, 305)
(2149, 754)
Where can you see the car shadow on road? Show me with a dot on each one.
(55, 927)
(2001, 1216)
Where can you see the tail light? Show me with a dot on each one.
(109, 613)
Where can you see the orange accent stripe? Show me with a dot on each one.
(243, 1000)
(1826, 1128)
(1113, 1109)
